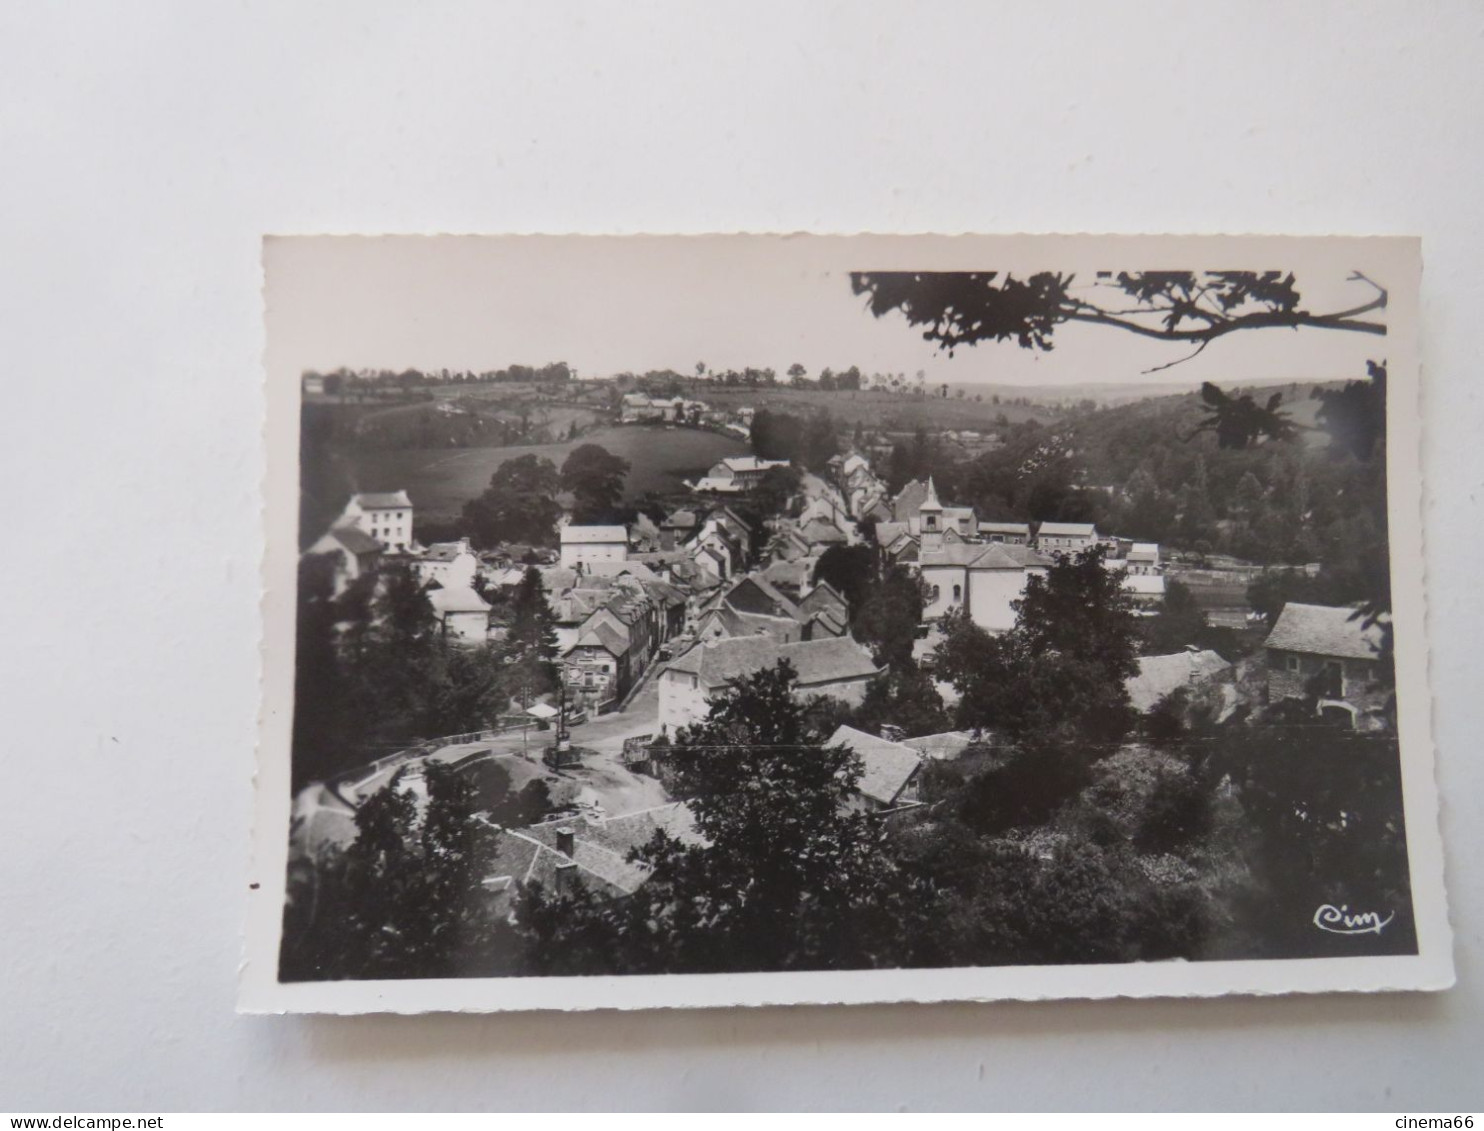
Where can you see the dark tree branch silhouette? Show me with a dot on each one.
(960, 308)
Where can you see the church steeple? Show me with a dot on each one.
(930, 519)
(930, 503)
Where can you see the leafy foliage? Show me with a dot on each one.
(789, 877)
(1061, 670)
(1240, 422)
(518, 506)
(405, 900)
(595, 476)
(967, 307)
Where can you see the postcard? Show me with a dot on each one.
(679, 621)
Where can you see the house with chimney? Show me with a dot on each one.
(452, 565)
(588, 851)
(837, 667)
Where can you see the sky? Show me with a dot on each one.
(609, 304)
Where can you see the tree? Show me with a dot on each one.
(850, 569)
(787, 877)
(595, 477)
(531, 643)
(774, 491)
(1061, 670)
(905, 697)
(1240, 422)
(405, 900)
(888, 614)
(1179, 622)
(1354, 415)
(517, 506)
(796, 373)
(960, 308)
(1323, 807)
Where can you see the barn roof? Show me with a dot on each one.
(886, 767)
(1325, 630)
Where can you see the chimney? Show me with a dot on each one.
(566, 840)
(566, 876)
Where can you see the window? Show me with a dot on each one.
(1291, 663)
(958, 593)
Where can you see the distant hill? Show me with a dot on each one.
(1115, 393)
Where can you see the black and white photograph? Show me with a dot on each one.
(658, 621)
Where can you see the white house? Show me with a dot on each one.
(386, 516)
(837, 667)
(594, 544)
(463, 614)
(356, 553)
(1015, 533)
(743, 472)
(1065, 537)
(982, 579)
(1143, 558)
(451, 564)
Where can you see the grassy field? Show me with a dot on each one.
(892, 411)
(441, 480)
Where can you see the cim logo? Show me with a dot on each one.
(1340, 921)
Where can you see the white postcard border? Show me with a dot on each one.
(1396, 259)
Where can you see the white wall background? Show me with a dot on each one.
(145, 147)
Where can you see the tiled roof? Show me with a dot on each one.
(1022, 528)
(752, 463)
(1144, 552)
(1145, 584)
(459, 599)
(665, 593)
(909, 499)
(1160, 675)
(354, 539)
(1066, 529)
(382, 500)
(816, 661)
(1324, 630)
(794, 574)
(781, 604)
(600, 848)
(887, 767)
(820, 531)
(948, 744)
(573, 534)
(629, 568)
(889, 532)
(823, 596)
(971, 555)
(444, 551)
(604, 635)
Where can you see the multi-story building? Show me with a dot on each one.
(385, 516)
(593, 544)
